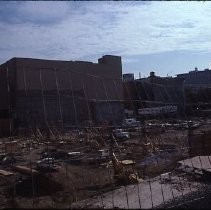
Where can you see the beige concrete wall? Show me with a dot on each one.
(99, 80)
(84, 80)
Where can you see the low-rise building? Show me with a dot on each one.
(196, 79)
(197, 90)
(154, 91)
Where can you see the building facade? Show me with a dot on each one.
(196, 79)
(197, 90)
(154, 91)
(39, 93)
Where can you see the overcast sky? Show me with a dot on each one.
(166, 37)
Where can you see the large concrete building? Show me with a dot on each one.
(39, 93)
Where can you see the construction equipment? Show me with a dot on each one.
(122, 171)
(122, 174)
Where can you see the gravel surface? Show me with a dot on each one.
(200, 199)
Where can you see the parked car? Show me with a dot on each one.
(46, 164)
(121, 134)
(7, 159)
(131, 122)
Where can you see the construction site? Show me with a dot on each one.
(68, 143)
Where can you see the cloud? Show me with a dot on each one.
(33, 12)
(181, 25)
(74, 30)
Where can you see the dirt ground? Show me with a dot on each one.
(156, 153)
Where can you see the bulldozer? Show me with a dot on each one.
(123, 172)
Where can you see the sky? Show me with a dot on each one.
(166, 37)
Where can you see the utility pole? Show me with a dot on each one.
(190, 134)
